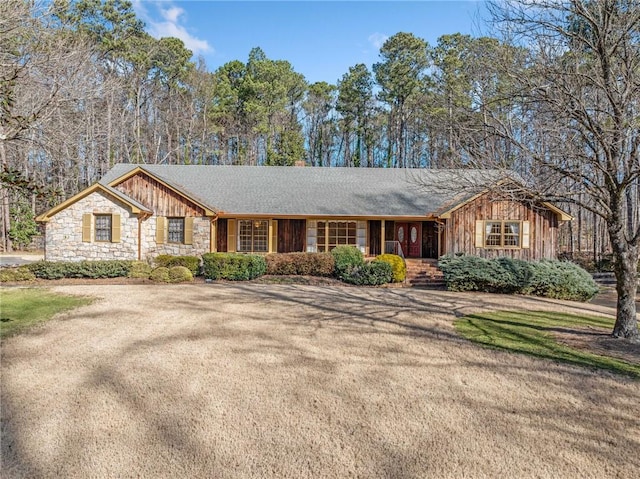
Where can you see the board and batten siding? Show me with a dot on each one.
(162, 200)
(460, 229)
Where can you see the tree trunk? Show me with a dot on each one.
(625, 264)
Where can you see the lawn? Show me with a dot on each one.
(532, 333)
(24, 307)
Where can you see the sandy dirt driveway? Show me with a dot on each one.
(253, 380)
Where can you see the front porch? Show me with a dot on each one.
(409, 239)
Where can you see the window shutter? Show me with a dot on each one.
(86, 227)
(160, 229)
(188, 230)
(526, 237)
(274, 237)
(231, 236)
(479, 234)
(115, 228)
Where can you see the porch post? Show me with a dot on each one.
(382, 237)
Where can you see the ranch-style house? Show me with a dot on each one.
(141, 211)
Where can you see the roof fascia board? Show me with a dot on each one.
(325, 216)
(562, 215)
(84, 193)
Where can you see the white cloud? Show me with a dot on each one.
(171, 24)
(378, 39)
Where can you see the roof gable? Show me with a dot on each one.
(136, 207)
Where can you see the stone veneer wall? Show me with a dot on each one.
(63, 239)
(201, 235)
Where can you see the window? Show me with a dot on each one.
(176, 230)
(502, 234)
(102, 228)
(253, 236)
(336, 233)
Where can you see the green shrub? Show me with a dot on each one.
(398, 266)
(560, 280)
(519, 270)
(140, 269)
(168, 261)
(549, 278)
(310, 264)
(471, 273)
(160, 275)
(370, 274)
(233, 266)
(80, 269)
(180, 274)
(346, 259)
(16, 274)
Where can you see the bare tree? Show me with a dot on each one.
(574, 121)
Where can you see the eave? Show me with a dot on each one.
(97, 187)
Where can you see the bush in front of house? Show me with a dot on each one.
(168, 261)
(180, 274)
(160, 275)
(472, 273)
(140, 269)
(374, 273)
(12, 275)
(560, 280)
(397, 264)
(346, 258)
(80, 269)
(518, 269)
(548, 278)
(310, 264)
(233, 266)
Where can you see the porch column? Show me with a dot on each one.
(382, 237)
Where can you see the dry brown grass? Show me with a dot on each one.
(253, 380)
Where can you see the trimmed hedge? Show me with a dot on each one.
(168, 261)
(346, 259)
(160, 275)
(80, 269)
(549, 278)
(397, 264)
(21, 273)
(140, 269)
(370, 274)
(180, 274)
(561, 280)
(310, 264)
(233, 266)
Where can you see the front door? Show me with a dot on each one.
(402, 237)
(414, 240)
(410, 239)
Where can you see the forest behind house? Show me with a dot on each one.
(83, 87)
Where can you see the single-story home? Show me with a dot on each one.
(141, 211)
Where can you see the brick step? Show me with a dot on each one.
(424, 273)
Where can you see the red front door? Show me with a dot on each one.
(410, 239)
(415, 240)
(402, 237)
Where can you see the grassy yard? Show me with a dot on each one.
(531, 333)
(24, 307)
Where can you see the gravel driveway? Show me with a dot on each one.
(254, 380)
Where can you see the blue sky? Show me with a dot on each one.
(321, 39)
